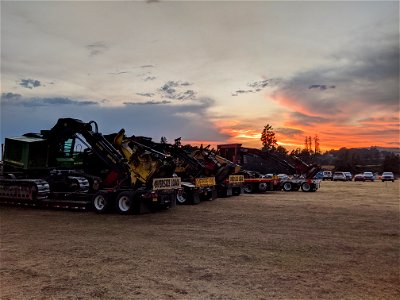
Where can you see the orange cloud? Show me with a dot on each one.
(292, 128)
(352, 124)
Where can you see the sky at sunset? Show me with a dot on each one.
(211, 72)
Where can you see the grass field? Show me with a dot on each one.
(341, 242)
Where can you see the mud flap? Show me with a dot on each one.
(194, 197)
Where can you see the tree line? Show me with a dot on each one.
(353, 160)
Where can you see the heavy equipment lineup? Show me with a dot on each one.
(74, 165)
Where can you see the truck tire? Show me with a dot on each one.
(248, 188)
(306, 187)
(124, 203)
(236, 191)
(287, 186)
(182, 198)
(205, 196)
(101, 202)
(262, 187)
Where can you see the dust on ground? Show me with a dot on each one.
(339, 242)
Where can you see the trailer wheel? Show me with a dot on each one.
(248, 188)
(100, 202)
(287, 186)
(236, 191)
(205, 196)
(182, 198)
(306, 187)
(262, 187)
(125, 203)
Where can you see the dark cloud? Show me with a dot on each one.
(190, 120)
(65, 101)
(386, 119)
(173, 90)
(147, 66)
(18, 100)
(119, 73)
(259, 84)
(321, 87)
(307, 120)
(9, 97)
(150, 78)
(373, 63)
(289, 131)
(367, 81)
(148, 102)
(256, 85)
(97, 48)
(188, 94)
(145, 94)
(29, 83)
(172, 83)
(242, 92)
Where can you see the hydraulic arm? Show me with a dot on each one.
(68, 128)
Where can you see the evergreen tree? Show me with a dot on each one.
(268, 138)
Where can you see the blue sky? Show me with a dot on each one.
(207, 71)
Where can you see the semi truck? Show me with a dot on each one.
(302, 173)
(253, 182)
(72, 164)
(197, 174)
(228, 180)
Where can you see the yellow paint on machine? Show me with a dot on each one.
(205, 182)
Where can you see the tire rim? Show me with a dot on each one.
(247, 188)
(99, 202)
(287, 186)
(262, 186)
(306, 187)
(124, 203)
(181, 198)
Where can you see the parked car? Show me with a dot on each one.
(270, 175)
(359, 177)
(369, 176)
(339, 176)
(387, 176)
(326, 175)
(319, 175)
(282, 176)
(349, 176)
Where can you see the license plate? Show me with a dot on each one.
(205, 182)
(166, 183)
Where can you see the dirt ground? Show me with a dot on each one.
(341, 242)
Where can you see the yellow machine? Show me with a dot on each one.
(145, 163)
